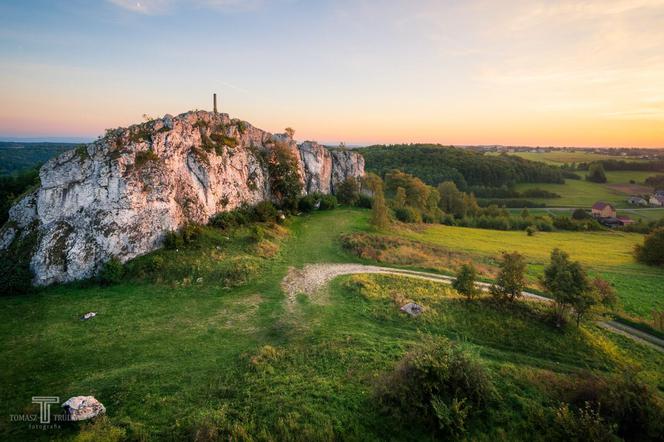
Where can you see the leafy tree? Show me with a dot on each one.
(525, 214)
(348, 191)
(568, 283)
(465, 281)
(652, 250)
(606, 295)
(284, 175)
(580, 214)
(511, 279)
(400, 198)
(379, 215)
(596, 173)
(290, 132)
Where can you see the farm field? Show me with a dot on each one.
(248, 364)
(650, 214)
(607, 254)
(560, 157)
(582, 193)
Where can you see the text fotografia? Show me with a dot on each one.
(45, 420)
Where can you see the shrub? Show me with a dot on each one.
(265, 212)
(186, 235)
(583, 424)
(510, 281)
(308, 203)
(530, 230)
(365, 202)
(111, 272)
(328, 202)
(596, 173)
(407, 214)
(438, 385)
(652, 250)
(284, 175)
(580, 214)
(465, 281)
(143, 157)
(348, 191)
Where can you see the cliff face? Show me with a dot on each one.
(119, 195)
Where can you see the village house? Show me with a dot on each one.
(603, 210)
(637, 201)
(657, 200)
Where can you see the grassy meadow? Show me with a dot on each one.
(559, 157)
(582, 193)
(202, 355)
(605, 253)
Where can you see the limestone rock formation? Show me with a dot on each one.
(118, 196)
(80, 408)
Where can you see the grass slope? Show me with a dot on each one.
(581, 193)
(183, 360)
(608, 254)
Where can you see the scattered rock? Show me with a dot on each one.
(80, 408)
(88, 315)
(412, 309)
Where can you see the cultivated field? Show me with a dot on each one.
(608, 254)
(582, 193)
(560, 157)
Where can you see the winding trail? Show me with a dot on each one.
(313, 277)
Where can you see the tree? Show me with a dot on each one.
(580, 214)
(400, 198)
(652, 250)
(465, 281)
(606, 295)
(290, 132)
(511, 279)
(348, 191)
(596, 173)
(568, 283)
(379, 216)
(525, 213)
(285, 182)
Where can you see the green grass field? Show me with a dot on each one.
(605, 253)
(649, 214)
(581, 193)
(560, 157)
(188, 360)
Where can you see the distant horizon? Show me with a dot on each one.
(86, 140)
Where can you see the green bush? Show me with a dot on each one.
(365, 202)
(348, 191)
(530, 230)
(111, 272)
(438, 385)
(15, 273)
(308, 203)
(328, 202)
(582, 424)
(408, 214)
(652, 250)
(265, 212)
(186, 235)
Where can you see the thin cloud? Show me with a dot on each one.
(155, 7)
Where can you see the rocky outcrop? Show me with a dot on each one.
(118, 196)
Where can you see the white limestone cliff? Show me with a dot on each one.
(118, 196)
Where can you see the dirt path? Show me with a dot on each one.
(313, 277)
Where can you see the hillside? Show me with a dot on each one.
(119, 196)
(251, 365)
(18, 156)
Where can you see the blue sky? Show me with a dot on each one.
(472, 72)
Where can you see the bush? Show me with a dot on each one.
(265, 212)
(438, 385)
(328, 202)
(530, 230)
(111, 272)
(465, 281)
(652, 250)
(365, 202)
(348, 191)
(580, 214)
(583, 424)
(186, 235)
(407, 215)
(596, 173)
(308, 203)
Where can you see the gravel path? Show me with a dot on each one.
(313, 277)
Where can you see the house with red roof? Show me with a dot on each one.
(603, 210)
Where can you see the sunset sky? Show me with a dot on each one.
(582, 73)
